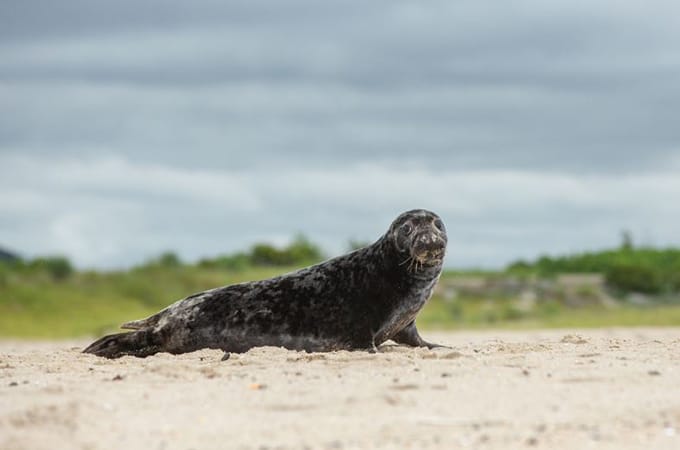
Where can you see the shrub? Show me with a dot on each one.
(627, 278)
(300, 251)
(169, 259)
(268, 255)
(58, 267)
(235, 262)
(164, 260)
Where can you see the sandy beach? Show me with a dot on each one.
(611, 389)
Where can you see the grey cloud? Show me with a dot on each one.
(297, 125)
(107, 213)
(323, 117)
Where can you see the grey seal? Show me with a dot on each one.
(356, 301)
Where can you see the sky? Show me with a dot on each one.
(531, 127)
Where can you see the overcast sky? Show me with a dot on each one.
(128, 128)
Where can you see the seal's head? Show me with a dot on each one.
(420, 239)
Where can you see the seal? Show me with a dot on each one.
(356, 301)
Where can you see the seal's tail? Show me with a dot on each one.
(140, 343)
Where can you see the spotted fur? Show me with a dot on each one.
(355, 301)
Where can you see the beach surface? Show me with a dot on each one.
(556, 389)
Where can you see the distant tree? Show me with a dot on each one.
(628, 278)
(267, 255)
(626, 240)
(236, 262)
(626, 269)
(519, 266)
(547, 265)
(169, 259)
(301, 250)
(7, 256)
(166, 259)
(58, 267)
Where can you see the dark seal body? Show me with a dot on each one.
(355, 301)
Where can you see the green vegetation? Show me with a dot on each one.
(626, 270)
(506, 313)
(47, 298)
(33, 304)
(300, 252)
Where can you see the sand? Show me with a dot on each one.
(575, 389)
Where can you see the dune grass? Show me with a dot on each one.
(479, 314)
(90, 303)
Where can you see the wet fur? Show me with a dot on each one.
(355, 301)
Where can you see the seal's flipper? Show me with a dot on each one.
(143, 323)
(134, 324)
(138, 343)
(430, 345)
(410, 336)
(372, 348)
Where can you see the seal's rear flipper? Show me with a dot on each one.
(138, 343)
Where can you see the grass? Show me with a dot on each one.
(34, 305)
(476, 314)
(90, 303)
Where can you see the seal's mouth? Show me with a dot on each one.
(428, 249)
(424, 258)
(430, 257)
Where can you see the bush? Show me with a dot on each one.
(164, 260)
(169, 259)
(58, 267)
(674, 281)
(299, 252)
(627, 269)
(519, 266)
(235, 262)
(626, 278)
(302, 251)
(4, 274)
(268, 255)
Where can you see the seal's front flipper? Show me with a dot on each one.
(409, 336)
(430, 345)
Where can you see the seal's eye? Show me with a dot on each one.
(406, 228)
(438, 224)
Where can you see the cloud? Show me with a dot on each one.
(534, 126)
(100, 177)
(564, 86)
(104, 212)
(252, 124)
